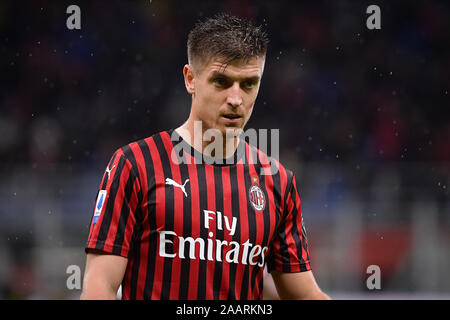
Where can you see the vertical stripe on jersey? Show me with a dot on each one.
(129, 282)
(292, 237)
(147, 238)
(211, 205)
(278, 195)
(192, 276)
(219, 234)
(138, 268)
(187, 218)
(241, 281)
(169, 218)
(154, 283)
(235, 279)
(226, 214)
(270, 200)
(285, 238)
(177, 214)
(204, 184)
(299, 234)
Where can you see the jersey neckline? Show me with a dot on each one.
(200, 158)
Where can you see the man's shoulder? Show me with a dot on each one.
(135, 150)
(270, 164)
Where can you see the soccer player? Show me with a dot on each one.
(168, 226)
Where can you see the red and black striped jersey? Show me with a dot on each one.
(192, 228)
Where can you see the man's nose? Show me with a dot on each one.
(234, 95)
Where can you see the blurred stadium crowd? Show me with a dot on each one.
(345, 98)
(333, 86)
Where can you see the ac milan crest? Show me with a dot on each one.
(257, 198)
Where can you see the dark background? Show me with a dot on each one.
(363, 116)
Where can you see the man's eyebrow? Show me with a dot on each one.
(216, 74)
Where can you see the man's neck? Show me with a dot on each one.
(204, 139)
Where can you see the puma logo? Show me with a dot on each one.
(176, 184)
(108, 171)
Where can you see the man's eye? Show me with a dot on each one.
(249, 84)
(220, 81)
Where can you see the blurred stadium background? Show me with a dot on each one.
(363, 116)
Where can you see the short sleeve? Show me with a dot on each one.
(289, 250)
(115, 215)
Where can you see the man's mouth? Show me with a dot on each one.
(231, 118)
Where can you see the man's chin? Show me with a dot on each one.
(231, 129)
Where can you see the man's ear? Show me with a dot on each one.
(189, 78)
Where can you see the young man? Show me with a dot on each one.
(167, 226)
